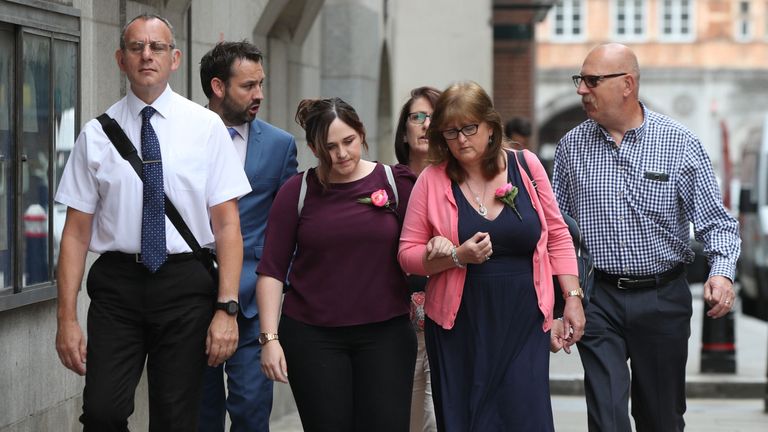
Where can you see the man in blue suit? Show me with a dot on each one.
(232, 76)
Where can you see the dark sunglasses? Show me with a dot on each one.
(592, 81)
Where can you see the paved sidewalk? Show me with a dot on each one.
(716, 402)
(570, 412)
(749, 381)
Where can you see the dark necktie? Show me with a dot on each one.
(232, 132)
(153, 252)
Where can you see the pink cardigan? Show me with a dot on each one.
(432, 211)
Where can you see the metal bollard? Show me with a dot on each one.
(718, 346)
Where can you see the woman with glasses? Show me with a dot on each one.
(490, 243)
(411, 147)
(344, 337)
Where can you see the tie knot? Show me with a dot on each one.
(232, 132)
(148, 112)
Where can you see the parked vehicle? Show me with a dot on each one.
(753, 220)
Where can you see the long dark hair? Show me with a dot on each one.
(465, 102)
(402, 149)
(316, 116)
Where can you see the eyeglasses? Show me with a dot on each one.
(137, 47)
(467, 131)
(591, 81)
(419, 117)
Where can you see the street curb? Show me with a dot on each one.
(701, 388)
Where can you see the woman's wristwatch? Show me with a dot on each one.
(266, 337)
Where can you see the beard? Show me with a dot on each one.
(234, 114)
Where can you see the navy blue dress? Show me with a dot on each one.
(490, 372)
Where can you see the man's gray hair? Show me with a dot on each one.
(146, 17)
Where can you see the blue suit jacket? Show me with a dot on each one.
(270, 160)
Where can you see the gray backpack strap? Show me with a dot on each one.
(391, 180)
(303, 190)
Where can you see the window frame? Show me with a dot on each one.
(676, 13)
(568, 13)
(742, 20)
(57, 23)
(631, 36)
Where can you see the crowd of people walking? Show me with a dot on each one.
(410, 297)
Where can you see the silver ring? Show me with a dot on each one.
(727, 302)
(487, 257)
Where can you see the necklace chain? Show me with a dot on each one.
(481, 209)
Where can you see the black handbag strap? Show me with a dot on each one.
(524, 164)
(128, 151)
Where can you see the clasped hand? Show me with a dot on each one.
(476, 250)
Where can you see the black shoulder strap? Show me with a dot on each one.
(121, 142)
(524, 164)
(128, 151)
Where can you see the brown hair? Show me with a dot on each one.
(402, 149)
(464, 102)
(315, 117)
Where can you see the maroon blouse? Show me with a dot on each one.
(345, 270)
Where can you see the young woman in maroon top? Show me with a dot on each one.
(344, 333)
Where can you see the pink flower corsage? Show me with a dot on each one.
(378, 198)
(507, 194)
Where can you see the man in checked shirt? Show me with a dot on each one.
(634, 180)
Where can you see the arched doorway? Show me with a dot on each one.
(553, 129)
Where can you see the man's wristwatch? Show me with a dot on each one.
(266, 337)
(578, 292)
(231, 307)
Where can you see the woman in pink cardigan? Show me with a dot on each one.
(490, 243)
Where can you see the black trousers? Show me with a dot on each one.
(650, 327)
(354, 378)
(136, 316)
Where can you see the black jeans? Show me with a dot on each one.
(355, 378)
(136, 316)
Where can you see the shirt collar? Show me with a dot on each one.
(162, 104)
(638, 132)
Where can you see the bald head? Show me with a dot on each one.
(613, 99)
(613, 58)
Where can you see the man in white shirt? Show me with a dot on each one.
(149, 303)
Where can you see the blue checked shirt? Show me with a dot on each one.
(634, 202)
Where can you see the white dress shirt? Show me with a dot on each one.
(200, 170)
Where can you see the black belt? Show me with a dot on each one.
(640, 282)
(136, 257)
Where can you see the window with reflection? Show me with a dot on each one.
(35, 144)
(7, 108)
(38, 126)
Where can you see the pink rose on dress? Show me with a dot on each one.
(507, 194)
(378, 198)
(503, 190)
